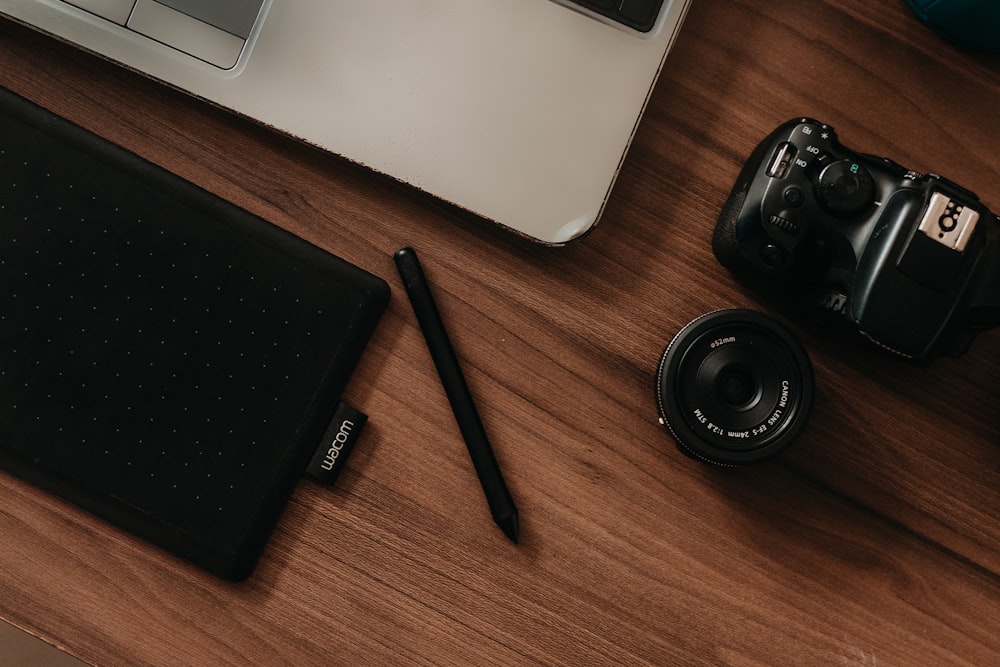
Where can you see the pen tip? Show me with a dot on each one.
(509, 526)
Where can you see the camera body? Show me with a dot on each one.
(911, 260)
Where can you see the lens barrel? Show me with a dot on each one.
(734, 387)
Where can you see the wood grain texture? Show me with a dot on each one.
(874, 540)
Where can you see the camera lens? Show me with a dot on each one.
(734, 387)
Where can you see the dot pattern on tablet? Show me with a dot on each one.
(150, 351)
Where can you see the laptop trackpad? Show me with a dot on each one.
(211, 30)
(233, 16)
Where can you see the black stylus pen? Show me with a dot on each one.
(501, 504)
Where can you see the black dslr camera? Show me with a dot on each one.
(912, 261)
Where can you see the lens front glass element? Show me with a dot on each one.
(738, 387)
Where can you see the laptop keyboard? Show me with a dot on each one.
(211, 30)
(638, 14)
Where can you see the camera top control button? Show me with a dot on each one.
(845, 187)
(793, 196)
(772, 255)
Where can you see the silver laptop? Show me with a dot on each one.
(520, 111)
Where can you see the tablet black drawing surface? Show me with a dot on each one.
(170, 361)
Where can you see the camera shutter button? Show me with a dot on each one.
(845, 187)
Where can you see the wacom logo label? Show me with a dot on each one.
(341, 439)
(336, 444)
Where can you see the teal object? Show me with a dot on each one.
(969, 23)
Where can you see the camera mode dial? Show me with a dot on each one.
(845, 187)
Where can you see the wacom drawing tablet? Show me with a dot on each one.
(170, 361)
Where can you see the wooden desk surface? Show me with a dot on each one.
(874, 540)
